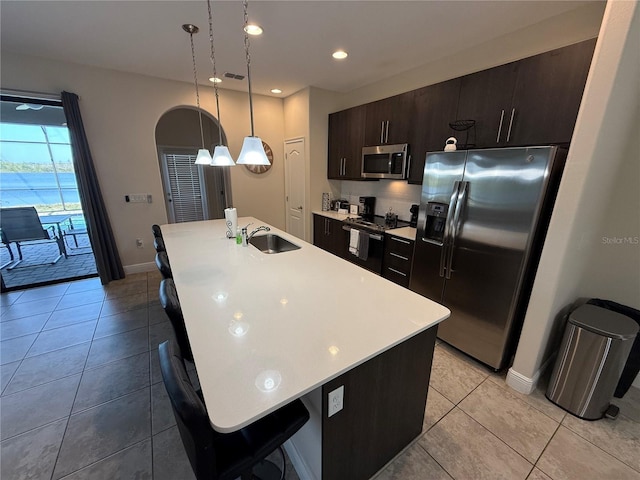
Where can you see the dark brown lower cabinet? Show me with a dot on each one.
(398, 257)
(329, 235)
(384, 403)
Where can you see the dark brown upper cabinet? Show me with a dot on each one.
(435, 106)
(346, 138)
(548, 94)
(486, 98)
(388, 120)
(533, 101)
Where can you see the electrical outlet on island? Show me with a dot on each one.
(336, 401)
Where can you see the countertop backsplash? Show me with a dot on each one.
(397, 194)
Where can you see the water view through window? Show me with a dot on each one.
(36, 168)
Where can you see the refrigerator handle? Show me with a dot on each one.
(447, 228)
(455, 224)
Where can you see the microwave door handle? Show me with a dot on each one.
(447, 228)
(462, 198)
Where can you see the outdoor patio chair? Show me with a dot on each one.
(22, 226)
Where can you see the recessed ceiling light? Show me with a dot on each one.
(215, 79)
(253, 29)
(340, 54)
(276, 90)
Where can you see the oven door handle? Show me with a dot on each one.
(372, 236)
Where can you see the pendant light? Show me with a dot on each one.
(221, 155)
(203, 157)
(252, 152)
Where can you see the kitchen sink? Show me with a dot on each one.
(272, 243)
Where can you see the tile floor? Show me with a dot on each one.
(82, 398)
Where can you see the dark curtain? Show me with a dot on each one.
(100, 234)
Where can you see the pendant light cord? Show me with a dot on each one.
(195, 79)
(215, 73)
(245, 4)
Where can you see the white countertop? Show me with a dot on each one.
(307, 317)
(333, 214)
(405, 232)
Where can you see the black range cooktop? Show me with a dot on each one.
(377, 224)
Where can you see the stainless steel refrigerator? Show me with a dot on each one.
(481, 225)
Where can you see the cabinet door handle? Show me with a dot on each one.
(398, 256)
(344, 166)
(386, 134)
(382, 132)
(396, 239)
(513, 111)
(397, 271)
(500, 127)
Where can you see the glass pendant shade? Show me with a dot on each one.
(222, 157)
(252, 152)
(204, 157)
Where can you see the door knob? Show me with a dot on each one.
(300, 207)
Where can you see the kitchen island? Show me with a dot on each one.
(266, 329)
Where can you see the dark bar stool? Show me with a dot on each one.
(162, 262)
(225, 456)
(156, 230)
(158, 243)
(169, 301)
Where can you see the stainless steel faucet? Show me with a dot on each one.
(246, 238)
(260, 228)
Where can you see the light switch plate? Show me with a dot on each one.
(336, 401)
(138, 198)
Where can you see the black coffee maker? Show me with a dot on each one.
(414, 215)
(367, 208)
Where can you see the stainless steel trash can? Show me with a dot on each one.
(593, 352)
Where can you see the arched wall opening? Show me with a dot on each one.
(191, 192)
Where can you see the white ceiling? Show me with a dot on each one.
(383, 38)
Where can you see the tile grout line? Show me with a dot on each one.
(531, 405)
(55, 464)
(598, 447)
(535, 465)
(104, 458)
(496, 436)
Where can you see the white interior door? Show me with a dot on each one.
(294, 167)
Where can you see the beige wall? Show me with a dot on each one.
(120, 112)
(591, 203)
(296, 125)
(321, 103)
(306, 115)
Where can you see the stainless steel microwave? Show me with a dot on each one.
(385, 161)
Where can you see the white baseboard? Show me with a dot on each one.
(523, 384)
(140, 268)
(302, 469)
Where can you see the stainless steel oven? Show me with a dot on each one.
(375, 253)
